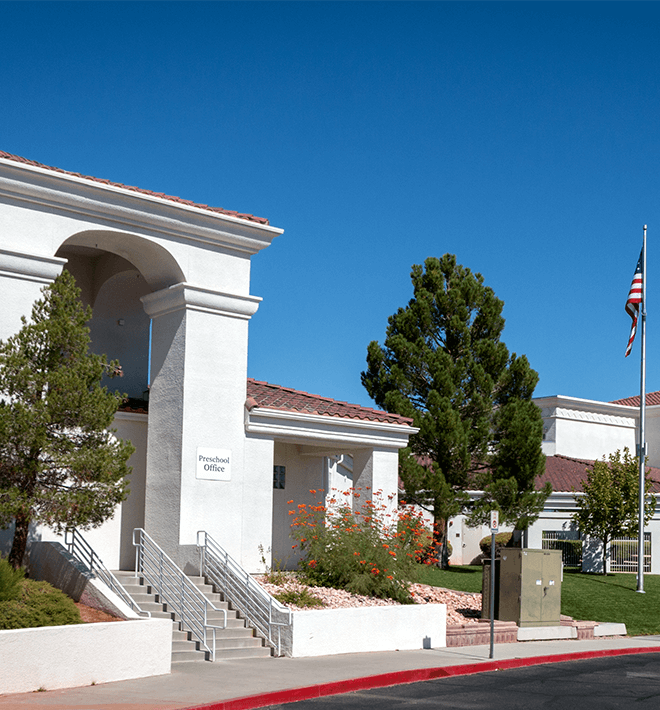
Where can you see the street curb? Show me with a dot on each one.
(309, 692)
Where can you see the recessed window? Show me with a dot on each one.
(279, 474)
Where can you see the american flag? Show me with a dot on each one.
(634, 299)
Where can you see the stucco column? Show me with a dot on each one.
(376, 470)
(196, 400)
(22, 276)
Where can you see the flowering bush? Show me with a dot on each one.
(372, 550)
(432, 552)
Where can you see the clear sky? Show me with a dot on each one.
(522, 137)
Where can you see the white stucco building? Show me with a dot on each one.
(169, 283)
(576, 432)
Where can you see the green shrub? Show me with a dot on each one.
(38, 604)
(10, 581)
(501, 540)
(373, 551)
(300, 597)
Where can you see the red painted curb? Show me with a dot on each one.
(401, 677)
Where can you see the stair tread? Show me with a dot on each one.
(236, 640)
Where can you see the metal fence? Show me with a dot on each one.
(568, 541)
(624, 555)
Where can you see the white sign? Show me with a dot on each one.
(213, 464)
(494, 520)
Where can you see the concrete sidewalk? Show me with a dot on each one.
(253, 683)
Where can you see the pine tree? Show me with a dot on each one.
(60, 465)
(443, 365)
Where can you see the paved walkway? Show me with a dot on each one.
(253, 683)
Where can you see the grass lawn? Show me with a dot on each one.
(583, 596)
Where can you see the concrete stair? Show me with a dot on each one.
(234, 641)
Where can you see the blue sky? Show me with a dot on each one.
(522, 137)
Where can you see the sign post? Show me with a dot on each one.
(494, 525)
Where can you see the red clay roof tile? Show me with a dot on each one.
(652, 398)
(289, 400)
(170, 198)
(565, 474)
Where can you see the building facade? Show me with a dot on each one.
(169, 284)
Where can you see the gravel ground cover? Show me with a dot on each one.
(462, 607)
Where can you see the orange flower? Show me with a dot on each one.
(289, 502)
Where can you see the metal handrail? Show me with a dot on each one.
(85, 554)
(176, 589)
(261, 610)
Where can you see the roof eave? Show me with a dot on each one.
(345, 432)
(62, 191)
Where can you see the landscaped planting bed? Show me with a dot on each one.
(462, 607)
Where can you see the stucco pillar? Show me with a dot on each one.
(196, 400)
(22, 276)
(376, 470)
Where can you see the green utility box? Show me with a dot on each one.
(530, 587)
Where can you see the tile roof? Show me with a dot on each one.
(565, 474)
(171, 198)
(263, 394)
(652, 398)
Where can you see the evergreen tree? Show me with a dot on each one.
(59, 463)
(443, 364)
(610, 505)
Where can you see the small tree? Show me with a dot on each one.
(444, 365)
(59, 463)
(610, 505)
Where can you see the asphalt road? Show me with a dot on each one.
(630, 682)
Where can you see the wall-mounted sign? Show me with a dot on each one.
(213, 464)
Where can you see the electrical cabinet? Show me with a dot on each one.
(530, 587)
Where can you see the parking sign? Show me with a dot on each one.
(494, 520)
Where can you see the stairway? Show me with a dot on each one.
(234, 641)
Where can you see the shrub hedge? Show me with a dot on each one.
(38, 604)
(501, 540)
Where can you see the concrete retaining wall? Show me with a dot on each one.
(323, 632)
(52, 657)
(51, 562)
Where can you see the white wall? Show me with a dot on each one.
(52, 657)
(303, 474)
(120, 330)
(586, 429)
(325, 632)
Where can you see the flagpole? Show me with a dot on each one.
(642, 430)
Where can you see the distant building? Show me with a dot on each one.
(576, 432)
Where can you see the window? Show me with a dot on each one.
(279, 473)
